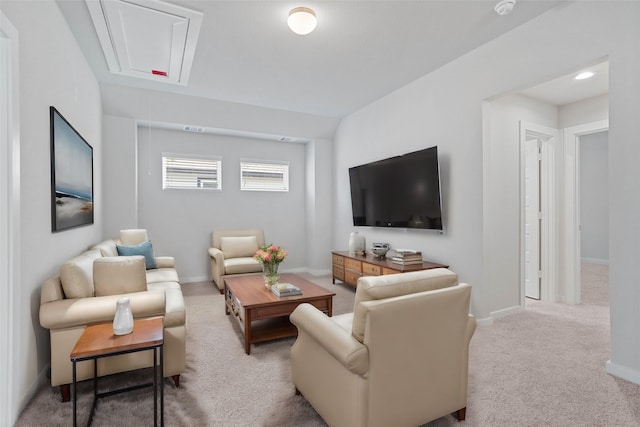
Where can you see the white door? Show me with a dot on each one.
(532, 276)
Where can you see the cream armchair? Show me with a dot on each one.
(399, 360)
(232, 252)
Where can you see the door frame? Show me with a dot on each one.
(9, 213)
(549, 138)
(570, 236)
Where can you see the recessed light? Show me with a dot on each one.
(584, 75)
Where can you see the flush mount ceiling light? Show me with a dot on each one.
(584, 75)
(505, 7)
(302, 20)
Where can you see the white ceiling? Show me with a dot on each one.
(566, 89)
(360, 51)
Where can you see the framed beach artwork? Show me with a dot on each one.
(71, 176)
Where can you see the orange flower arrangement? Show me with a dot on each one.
(270, 256)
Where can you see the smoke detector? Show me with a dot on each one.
(505, 7)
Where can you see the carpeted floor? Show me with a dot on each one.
(542, 367)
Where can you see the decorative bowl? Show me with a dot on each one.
(380, 249)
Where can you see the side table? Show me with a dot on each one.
(98, 341)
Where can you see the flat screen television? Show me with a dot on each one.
(401, 191)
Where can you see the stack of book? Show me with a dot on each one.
(285, 290)
(407, 257)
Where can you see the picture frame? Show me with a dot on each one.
(71, 175)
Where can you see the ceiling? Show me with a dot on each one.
(566, 89)
(360, 51)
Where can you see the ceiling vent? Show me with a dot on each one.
(149, 39)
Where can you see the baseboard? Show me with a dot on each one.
(318, 272)
(41, 379)
(623, 372)
(294, 270)
(287, 270)
(487, 321)
(595, 261)
(506, 312)
(195, 279)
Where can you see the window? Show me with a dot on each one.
(257, 175)
(187, 171)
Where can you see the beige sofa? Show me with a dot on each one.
(400, 359)
(232, 252)
(86, 291)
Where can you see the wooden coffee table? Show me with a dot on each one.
(262, 315)
(99, 341)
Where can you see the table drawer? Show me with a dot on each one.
(351, 277)
(321, 304)
(370, 269)
(338, 273)
(353, 264)
(338, 260)
(386, 270)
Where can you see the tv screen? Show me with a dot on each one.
(401, 191)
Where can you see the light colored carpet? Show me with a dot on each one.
(542, 367)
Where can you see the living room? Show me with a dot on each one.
(443, 107)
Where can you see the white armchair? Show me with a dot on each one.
(400, 359)
(232, 252)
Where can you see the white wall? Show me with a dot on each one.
(54, 72)
(503, 249)
(319, 205)
(180, 222)
(301, 229)
(120, 160)
(444, 108)
(594, 197)
(585, 111)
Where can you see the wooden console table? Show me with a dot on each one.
(348, 267)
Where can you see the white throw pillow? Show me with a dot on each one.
(235, 247)
(119, 275)
(76, 275)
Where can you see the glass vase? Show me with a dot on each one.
(123, 320)
(271, 274)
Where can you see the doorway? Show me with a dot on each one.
(9, 211)
(571, 235)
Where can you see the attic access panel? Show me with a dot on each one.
(148, 39)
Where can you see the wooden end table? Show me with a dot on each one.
(99, 341)
(262, 315)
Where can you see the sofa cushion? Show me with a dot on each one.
(119, 275)
(235, 247)
(145, 249)
(175, 312)
(76, 275)
(107, 248)
(133, 236)
(162, 275)
(394, 285)
(241, 265)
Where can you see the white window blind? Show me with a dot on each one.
(184, 171)
(264, 176)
